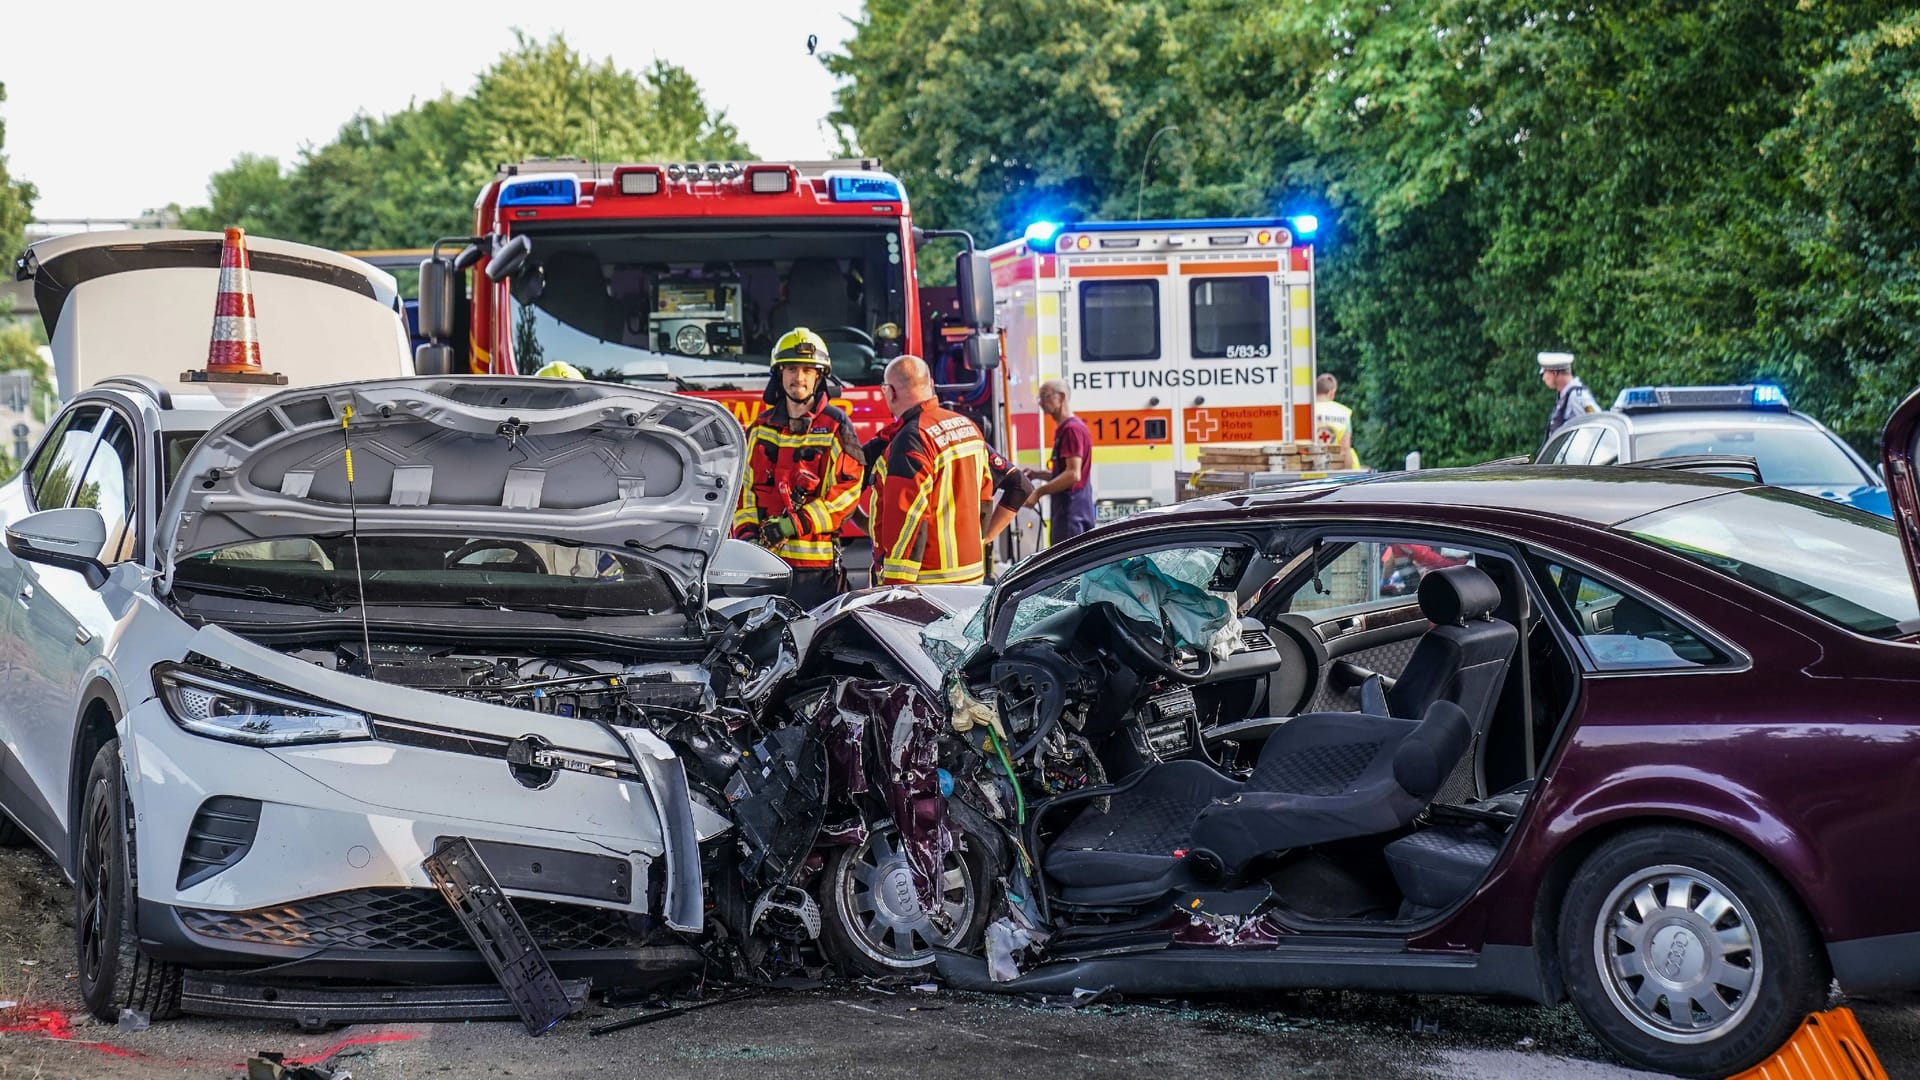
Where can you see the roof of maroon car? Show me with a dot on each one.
(1601, 496)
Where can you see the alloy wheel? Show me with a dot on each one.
(1678, 953)
(878, 898)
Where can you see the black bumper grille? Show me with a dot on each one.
(220, 836)
(403, 920)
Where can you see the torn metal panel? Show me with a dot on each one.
(778, 796)
(761, 648)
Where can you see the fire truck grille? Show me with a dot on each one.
(403, 920)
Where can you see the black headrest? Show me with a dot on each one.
(1453, 595)
(1424, 759)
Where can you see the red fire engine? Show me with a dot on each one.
(683, 275)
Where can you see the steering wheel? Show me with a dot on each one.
(525, 559)
(1138, 651)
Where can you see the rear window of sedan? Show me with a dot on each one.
(1843, 565)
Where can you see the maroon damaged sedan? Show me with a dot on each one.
(1644, 739)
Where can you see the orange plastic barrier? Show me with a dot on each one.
(1829, 1046)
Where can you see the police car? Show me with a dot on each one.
(1790, 449)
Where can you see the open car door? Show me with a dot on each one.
(1898, 450)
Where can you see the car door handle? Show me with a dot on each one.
(26, 593)
(82, 635)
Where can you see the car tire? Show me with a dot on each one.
(869, 926)
(1732, 966)
(11, 835)
(114, 973)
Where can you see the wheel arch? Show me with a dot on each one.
(98, 725)
(1578, 849)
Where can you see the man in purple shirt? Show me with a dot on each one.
(1069, 479)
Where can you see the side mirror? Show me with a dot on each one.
(439, 292)
(507, 261)
(742, 569)
(983, 352)
(469, 255)
(973, 275)
(71, 539)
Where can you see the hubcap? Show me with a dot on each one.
(882, 908)
(1678, 954)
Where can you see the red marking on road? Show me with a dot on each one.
(356, 1040)
(55, 1025)
(347, 1043)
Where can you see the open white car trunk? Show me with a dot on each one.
(140, 302)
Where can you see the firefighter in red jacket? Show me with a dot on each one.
(803, 470)
(930, 482)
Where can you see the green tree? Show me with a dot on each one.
(16, 202)
(1850, 308)
(998, 112)
(405, 179)
(252, 193)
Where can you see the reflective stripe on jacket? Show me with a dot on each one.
(925, 503)
(779, 450)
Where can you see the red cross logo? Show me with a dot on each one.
(1201, 425)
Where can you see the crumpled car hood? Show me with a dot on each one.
(580, 462)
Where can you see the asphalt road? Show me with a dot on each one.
(834, 1032)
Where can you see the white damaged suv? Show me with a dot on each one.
(245, 692)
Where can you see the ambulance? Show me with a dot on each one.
(1170, 335)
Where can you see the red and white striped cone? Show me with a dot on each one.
(235, 349)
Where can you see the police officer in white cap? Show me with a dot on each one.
(1556, 370)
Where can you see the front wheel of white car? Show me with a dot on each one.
(114, 973)
(873, 920)
(1686, 954)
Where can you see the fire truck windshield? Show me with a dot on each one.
(701, 306)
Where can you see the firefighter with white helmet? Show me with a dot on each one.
(1556, 370)
(803, 469)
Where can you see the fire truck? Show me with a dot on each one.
(1170, 335)
(683, 275)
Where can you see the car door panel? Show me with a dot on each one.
(1380, 638)
(60, 625)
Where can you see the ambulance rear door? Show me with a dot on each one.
(1119, 310)
(1236, 319)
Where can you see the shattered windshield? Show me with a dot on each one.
(701, 307)
(443, 571)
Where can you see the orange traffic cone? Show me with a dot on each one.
(233, 356)
(235, 349)
(1829, 1046)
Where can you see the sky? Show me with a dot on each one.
(113, 108)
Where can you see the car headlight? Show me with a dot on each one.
(253, 716)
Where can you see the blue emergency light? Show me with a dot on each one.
(1748, 396)
(865, 187)
(1040, 235)
(1304, 225)
(540, 191)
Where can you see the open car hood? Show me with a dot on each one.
(1898, 445)
(481, 456)
(140, 302)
